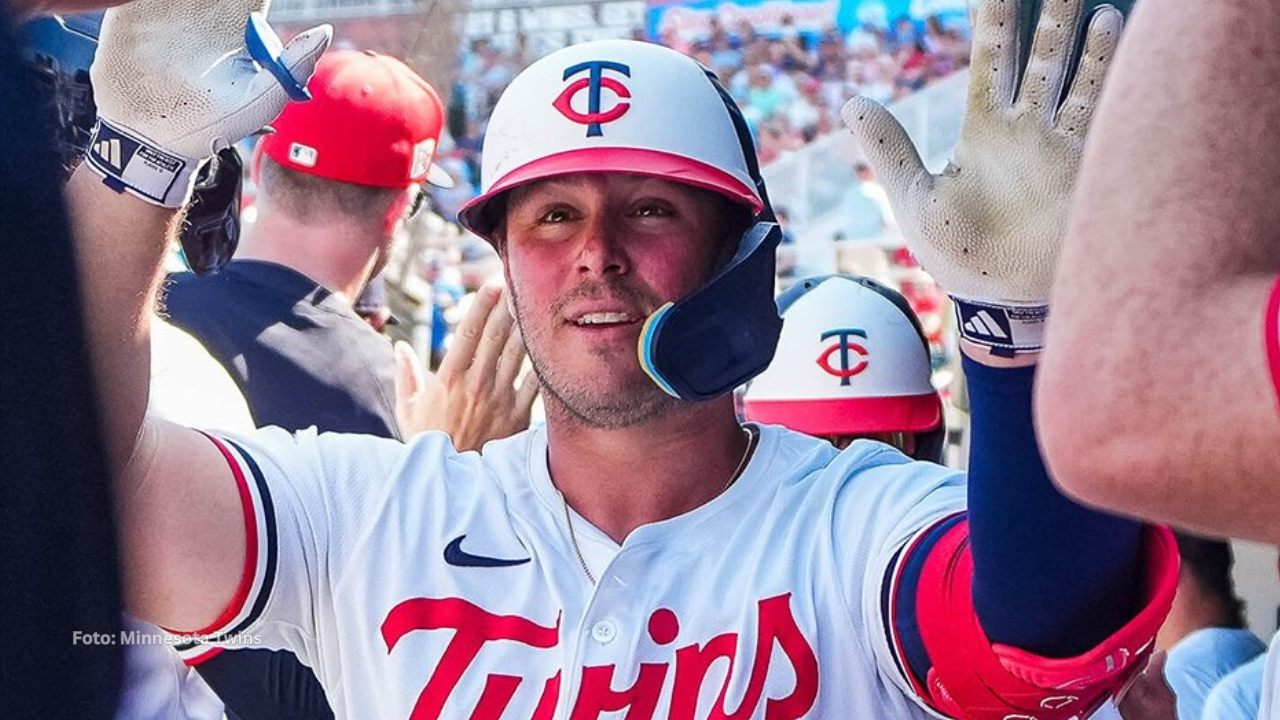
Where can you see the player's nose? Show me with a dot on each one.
(601, 250)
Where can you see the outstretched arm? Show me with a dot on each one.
(1029, 590)
(160, 116)
(1158, 395)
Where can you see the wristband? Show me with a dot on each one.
(131, 163)
(1006, 330)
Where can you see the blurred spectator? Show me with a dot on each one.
(930, 305)
(867, 215)
(372, 305)
(1205, 634)
(445, 294)
(905, 35)
(479, 264)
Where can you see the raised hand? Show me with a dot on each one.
(473, 397)
(177, 80)
(990, 226)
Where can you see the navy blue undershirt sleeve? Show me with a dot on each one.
(260, 684)
(1050, 576)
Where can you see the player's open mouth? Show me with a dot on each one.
(605, 319)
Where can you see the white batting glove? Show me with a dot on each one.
(990, 226)
(177, 80)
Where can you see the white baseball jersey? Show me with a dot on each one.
(419, 582)
(1270, 708)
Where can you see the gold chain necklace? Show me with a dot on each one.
(573, 538)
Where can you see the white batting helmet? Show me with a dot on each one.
(611, 106)
(852, 360)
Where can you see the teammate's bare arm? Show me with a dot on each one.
(180, 514)
(1156, 397)
(173, 470)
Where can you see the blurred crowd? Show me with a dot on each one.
(790, 84)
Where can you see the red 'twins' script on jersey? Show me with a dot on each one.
(474, 626)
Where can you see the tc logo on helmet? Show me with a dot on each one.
(595, 116)
(852, 357)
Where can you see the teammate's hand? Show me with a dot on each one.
(177, 80)
(1148, 696)
(991, 225)
(473, 397)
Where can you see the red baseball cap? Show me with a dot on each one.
(370, 121)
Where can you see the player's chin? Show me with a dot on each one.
(617, 379)
(608, 380)
(623, 407)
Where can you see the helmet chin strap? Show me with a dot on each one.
(724, 334)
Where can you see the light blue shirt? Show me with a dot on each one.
(863, 214)
(1238, 695)
(1201, 660)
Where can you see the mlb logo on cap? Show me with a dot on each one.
(371, 121)
(302, 155)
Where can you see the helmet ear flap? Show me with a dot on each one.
(727, 332)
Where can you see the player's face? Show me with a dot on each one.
(588, 258)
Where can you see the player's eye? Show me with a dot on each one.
(555, 215)
(653, 208)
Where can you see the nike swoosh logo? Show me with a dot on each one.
(455, 555)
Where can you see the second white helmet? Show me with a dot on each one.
(851, 360)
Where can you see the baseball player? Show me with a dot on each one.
(852, 362)
(643, 552)
(1169, 286)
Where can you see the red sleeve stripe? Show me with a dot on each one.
(895, 579)
(199, 654)
(254, 578)
(1273, 336)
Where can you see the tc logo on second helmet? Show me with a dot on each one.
(850, 357)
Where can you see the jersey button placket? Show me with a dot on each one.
(593, 627)
(604, 632)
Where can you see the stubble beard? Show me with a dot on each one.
(640, 403)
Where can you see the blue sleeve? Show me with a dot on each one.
(265, 685)
(1041, 561)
